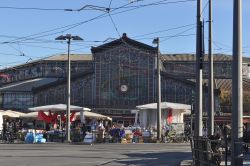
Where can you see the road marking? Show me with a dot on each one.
(137, 159)
(91, 162)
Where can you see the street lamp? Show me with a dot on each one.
(157, 41)
(68, 37)
(237, 88)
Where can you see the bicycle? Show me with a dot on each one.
(1, 135)
(9, 137)
(216, 144)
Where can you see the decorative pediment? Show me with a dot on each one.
(124, 40)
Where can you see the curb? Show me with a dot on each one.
(186, 163)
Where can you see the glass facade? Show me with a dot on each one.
(17, 100)
(81, 93)
(42, 69)
(124, 77)
(222, 69)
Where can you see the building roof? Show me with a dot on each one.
(73, 57)
(27, 85)
(226, 84)
(190, 82)
(63, 81)
(123, 40)
(191, 57)
(60, 57)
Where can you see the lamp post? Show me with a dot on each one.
(199, 61)
(237, 89)
(210, 124)
(157, 41)
(68, 37)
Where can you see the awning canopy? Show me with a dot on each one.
(165, 105)
(58, 107)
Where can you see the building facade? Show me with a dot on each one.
(116, 78)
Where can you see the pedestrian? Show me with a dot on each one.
(4, 129)
(84, 130)
(204, 132)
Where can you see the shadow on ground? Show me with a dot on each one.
(152, 159)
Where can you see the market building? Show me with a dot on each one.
(114, 79)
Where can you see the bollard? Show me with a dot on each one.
(238, 146)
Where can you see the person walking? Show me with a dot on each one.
(84, 130)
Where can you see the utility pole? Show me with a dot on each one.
(237, 106)
(68, 37)
(157, 41)
(199, 59)
(210, 123)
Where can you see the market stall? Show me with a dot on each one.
(95, 123)
(170, 113)
(10, 126)
(54, 118)
(8, 114)
(51, 113)
(82, 120)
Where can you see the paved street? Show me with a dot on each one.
(93, 155)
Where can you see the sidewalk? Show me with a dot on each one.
(189, 163)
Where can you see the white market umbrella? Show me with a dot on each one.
(94, 115)
(85, 114)
(10, 113)
(31, 115)
(165, 105)
(58, 107)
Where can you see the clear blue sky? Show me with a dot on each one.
(16, 22)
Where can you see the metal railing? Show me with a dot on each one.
(205, 152)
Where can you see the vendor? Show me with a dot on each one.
(47, 127)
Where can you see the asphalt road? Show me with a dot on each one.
(93, 155)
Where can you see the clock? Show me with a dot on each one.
(124, 88)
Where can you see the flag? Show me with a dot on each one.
(170, 116)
